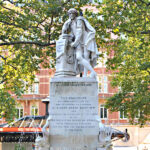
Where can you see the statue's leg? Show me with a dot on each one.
(86, 56)
(85, 63)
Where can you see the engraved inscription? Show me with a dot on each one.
(73, 114)
(74, 109)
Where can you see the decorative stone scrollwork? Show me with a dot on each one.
(104, 137)
(41, 144)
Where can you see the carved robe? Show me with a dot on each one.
(84, 35)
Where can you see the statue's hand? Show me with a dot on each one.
(73, 44)
(64, 36)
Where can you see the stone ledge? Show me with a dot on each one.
(73, 79)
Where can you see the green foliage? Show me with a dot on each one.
(130, 22)
(7, 104)
(28, 31)
(19, 147)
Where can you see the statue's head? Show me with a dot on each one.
(72, 12)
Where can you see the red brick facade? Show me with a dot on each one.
(32, 103)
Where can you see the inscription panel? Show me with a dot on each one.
(73, 113)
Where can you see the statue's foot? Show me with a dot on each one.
(93, 74)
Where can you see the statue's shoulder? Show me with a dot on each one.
(86, 23)
(80, 18)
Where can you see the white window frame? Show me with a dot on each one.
(34, 107)
(103, 107)
(20, 108)
(99, 84)
(122, 118)
(105, 83)
(138, 115)
(105, 88)
(34, 88)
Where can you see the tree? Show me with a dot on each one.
(130, 22)
(28, 31)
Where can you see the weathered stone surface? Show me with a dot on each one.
(73, 108)
(76, 49)
(65, 58)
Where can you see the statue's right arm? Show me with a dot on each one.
(65, 27)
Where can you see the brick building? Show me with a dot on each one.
(34, 101)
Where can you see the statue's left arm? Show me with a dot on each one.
(66, 27)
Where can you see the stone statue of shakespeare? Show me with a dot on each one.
(78, 36)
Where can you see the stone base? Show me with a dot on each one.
(65, 61)
(73, 108)
(73, 142)
(64, 74)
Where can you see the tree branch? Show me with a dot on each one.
(3, 57)
(147, 4)
(37, 26)
(27, 42)
(41, 21)
(141, 32)
(10, 1)
(1, 82)
(12, 10)
(12, 66)
(12, 24)
(3, 79)
(18, 26)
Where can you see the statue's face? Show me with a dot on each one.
(72, 15)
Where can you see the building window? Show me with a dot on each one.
(105, 84)
(139, 114)
(20, 112)
(105, 88)
(123, 114)
(34, 110)
(105, 79)
(34, 89)
(99, 84)
(103, 112)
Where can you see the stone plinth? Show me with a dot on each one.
(65, 58)
(73, 108)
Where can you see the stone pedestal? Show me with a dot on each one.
(73, 108)
(65, 58)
